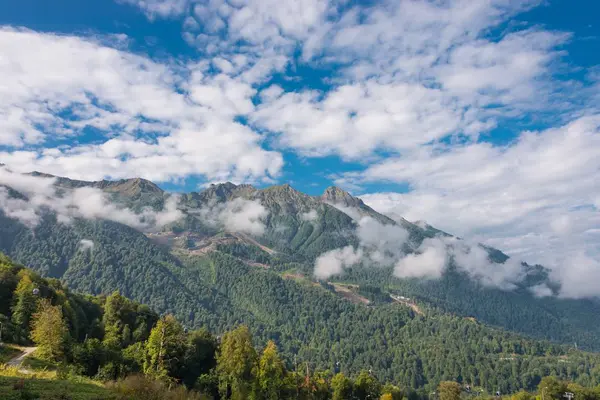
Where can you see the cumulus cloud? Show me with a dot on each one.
(578, 274)
(383, 242)
(429, 261)
(533, 199)
(413, 72)
(159, 121)
(385, 245)
(38, 194)
(238, 215)
(379, 245)
(334, 261)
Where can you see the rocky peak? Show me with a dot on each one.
(286, 198)
(225, 191)
(335, 195)
(130, 187)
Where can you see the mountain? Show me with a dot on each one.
(242, 254)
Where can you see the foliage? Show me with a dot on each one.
(236, 364)
(342, 387)
(49, 331)
(271, 373)
(366, 386)
(449, 391)
(7, 352)
(24, 302)
(165, 348)
(33, 387)
(142, 388)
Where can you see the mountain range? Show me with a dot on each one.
(329, 278)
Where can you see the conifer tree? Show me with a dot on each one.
(236, 364)
(24, 302)
(165, 349)
(271, 372)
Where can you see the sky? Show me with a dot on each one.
(481, 118)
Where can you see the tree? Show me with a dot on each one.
(112, 319)
(366, 386)
(49, 331)
(580, 392)
(236, 363)
(165, 348)
(391, 392)
(199, 357)
(522, 395)
(551, 387)
(271, 373)
(448, 390)
(342, 387)
(24, 302)
(89, 356)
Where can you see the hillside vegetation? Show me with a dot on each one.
(108, 347)
(105, 337)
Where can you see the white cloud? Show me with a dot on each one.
(160, 8)
(379, 245)
(334, 261)
(382, 242)
(578, 274)
(429, 262)
(84, 202)
(86, 244)
(532, 198)
(541, 290)
(412, 72)
(355, 120)
(152, 122)
(238, 215)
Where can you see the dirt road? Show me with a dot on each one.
(18, 360)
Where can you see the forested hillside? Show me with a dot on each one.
(210, 271)
(310, 325)
(296, 227)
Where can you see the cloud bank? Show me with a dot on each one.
(535, 199)
(40, 195)
(384, 245)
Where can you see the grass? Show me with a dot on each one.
(7, 352)
(34, 387)
(31, 362)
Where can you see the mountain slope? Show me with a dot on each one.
(158, 268)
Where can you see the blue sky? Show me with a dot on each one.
(480, 117)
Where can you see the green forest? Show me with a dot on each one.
(111, 338)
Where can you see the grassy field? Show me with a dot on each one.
(15, 387)
(42, 380)
(32, 362)
(39, 381)
(7, 352)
